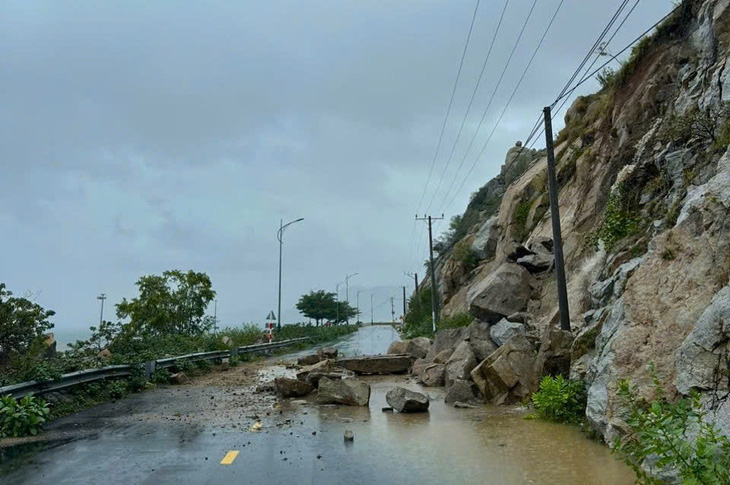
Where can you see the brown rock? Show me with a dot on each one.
(350, 392)
(433, 375)
(504, 292)
(179, 378)
(308, 359)
(292, 387)
(460, 364)
(508, 375)
(377, 364)
(398, 347)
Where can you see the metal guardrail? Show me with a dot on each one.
(101, 373)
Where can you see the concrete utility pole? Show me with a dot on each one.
(280, 237)
(415, 279)
(215, 316)
(392, 310)
(555, 216)
(347, 296)
(101, 297)
(434, 290)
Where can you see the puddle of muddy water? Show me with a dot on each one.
(488, 444)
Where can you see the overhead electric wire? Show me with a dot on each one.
(471, 102)
(514, 92)
(612, 58)
(451, 102)
(446, 118)
(491, 100)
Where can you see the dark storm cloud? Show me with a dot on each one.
(140, 136)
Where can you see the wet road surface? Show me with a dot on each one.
(180, 435)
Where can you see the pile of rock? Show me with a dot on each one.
(499, 361)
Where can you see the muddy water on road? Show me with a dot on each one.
(488, 444)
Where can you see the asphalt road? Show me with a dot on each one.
(202, 433)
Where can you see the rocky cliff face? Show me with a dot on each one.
(644, 174)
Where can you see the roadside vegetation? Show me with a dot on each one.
(322, 305)
(560, 400)
(168, 318)
(672, 437)
(417, 322)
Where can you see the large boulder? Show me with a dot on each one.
(460, 364)
(350, 392)
(447, 338)
(443, 356)
(480, 340)
(485, 241)
(503, 292)
(321, 366)
(419, 347)
(377, 364)
(406, 401)
(308, 359)
(419, 366)
(433, 376)
(398, 347)
(179, 378)
(288, 387)
(505, 330)
(462, 391)
(508, 375)
(554, 355)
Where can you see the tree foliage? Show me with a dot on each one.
(320, 305)
(22, 322)
(171, 303)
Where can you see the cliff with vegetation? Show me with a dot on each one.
(644, 173)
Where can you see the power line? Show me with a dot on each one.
(491, 99)
(451, 102)
(471, 101)
(446, 118)
(588, 76)
(514, 92)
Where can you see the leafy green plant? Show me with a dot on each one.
(618, 221)
(560, 400)
(465, 255)
(458, 320)
(184, 365)
(417, 322)
(22, 417)
(161, 376)
(117, 389)
(674, 436)
(519, 218)
(203, 364)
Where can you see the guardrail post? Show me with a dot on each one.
(234, 352)
(150, 368)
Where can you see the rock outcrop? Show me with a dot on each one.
(503, 292)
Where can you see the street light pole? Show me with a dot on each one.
(280, 237)
(337, 303)
(101, 297)
(347, 297)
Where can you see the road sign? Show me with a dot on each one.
(271, 316)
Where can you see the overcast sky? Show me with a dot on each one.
(142, 136)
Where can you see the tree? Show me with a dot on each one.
(321, 304)
(317, 305)
(173, 303)
(22, 322)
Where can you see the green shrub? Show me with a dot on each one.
(117, 389)
(464, 254)
(161, 376)
(22, 417)
(519, 218)
(673, 435)
(184, 365)
(618, 221)
(560, 400)
(234, 361)
(458, 320)
(203, 364)
(417, 322)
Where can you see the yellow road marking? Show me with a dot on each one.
(230, 456)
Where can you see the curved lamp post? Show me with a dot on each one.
(280, 237)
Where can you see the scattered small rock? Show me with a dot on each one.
(349, 435)
(406, 401)
(463, 405)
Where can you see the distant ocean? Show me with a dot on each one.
(65, 336)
